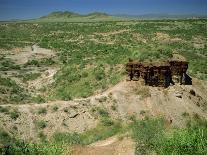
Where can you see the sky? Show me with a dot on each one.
(27, 9)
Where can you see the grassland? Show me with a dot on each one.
(92, 55)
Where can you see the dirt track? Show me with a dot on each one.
(110, 146)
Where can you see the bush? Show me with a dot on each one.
(55, 108)
(14, 114)
(152, 136)
(42, 136)
(31, 76)
(4, 109)
(32, 63)
(68, 138)
(41, 124)
(105, 121)
(42, 111)
(184, 141)
(4, 137)
(147, 133)
(102, 112)
(38, 99)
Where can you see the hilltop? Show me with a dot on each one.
(61, 14)
(68, 16)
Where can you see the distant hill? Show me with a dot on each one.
(67, 16)
(98, 14)
(60, 14)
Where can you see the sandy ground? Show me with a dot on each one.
(22, 56)
(110, 146)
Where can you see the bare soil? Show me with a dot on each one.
(110, 146)
(130, 98)
(22, 56)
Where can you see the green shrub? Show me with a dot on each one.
(4, 109)
(38, 99)
(30, 76)
(114, 107)
(14, 114)
(65, 110)
(7, 64)
(106, 121)
(42, 111)
(15, 93)
(4, 137)
(184, 141)
(55, 108)
(103, 112)
(18, 147)
(152, 136)
(185, 114)
(147, 133)
(32, 63)
(41, 124)
(68, 138)
(42, 136)
(101, 132)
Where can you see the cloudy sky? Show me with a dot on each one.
(25, 9)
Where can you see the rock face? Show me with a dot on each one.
(159, 73)
(73, 113)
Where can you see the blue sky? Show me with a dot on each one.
(24, 9)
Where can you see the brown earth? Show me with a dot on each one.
(128, 98)
(22, 56)
(110, 146)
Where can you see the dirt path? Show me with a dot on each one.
(110, 146)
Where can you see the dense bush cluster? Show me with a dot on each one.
(152, 135)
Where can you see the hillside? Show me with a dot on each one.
(60, 14)
(75, 17)
(123, 101)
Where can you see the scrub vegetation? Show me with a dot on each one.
(90, 57)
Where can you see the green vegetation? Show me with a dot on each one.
(151, 135)
(60, 142)
(14, 114)
(55, 108)
(39, 63)
(41, 124)
(30, 76)
(7, 64)
(4, 109)
(91, 58)
(91, 55)
(42, 111)
(11, 92)
(38, 99)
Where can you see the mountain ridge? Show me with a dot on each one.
(69, 14)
